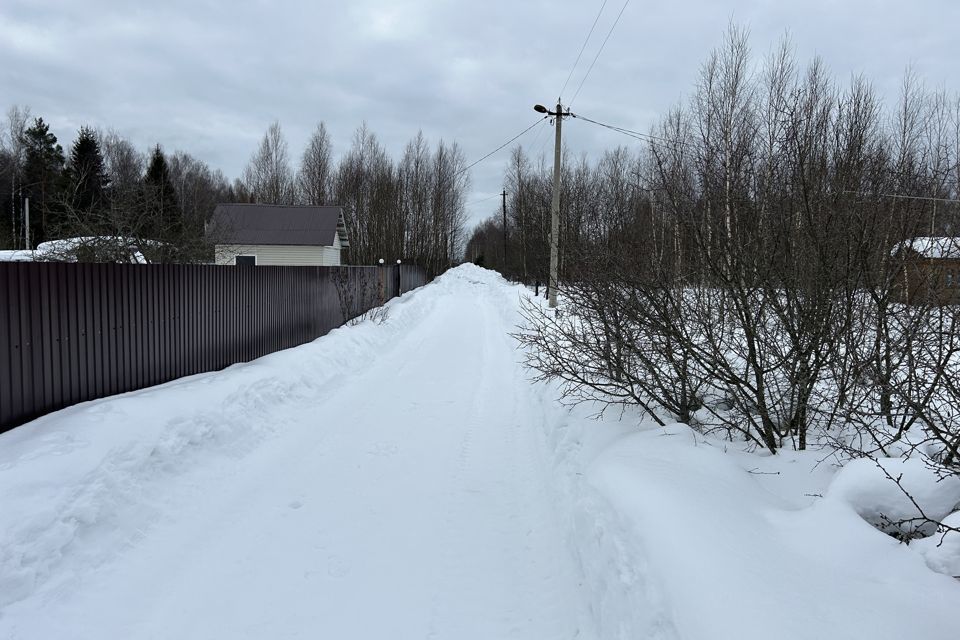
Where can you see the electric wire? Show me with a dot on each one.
(577, 61)
(643, 137)
(904, 196)
(658, 142)
(469, 204)
(587, 74)
(476, 162)
(536, 138)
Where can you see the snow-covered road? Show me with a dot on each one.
(387, 481)
(404, 479)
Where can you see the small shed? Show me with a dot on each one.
(270, 234)
(931, 270)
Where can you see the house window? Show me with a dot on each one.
(245, 261)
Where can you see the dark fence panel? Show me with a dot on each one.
(75, 332)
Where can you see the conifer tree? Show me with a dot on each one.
(164, 221)
(87, 177)
(43, 180)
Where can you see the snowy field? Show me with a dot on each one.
(403, 480)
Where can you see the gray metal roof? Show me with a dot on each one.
(255, 224)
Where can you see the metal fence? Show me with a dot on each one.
(75, 332)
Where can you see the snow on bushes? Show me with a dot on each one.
(942, 550)
(904, 498)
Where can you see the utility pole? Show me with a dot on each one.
(555, 212)
(558, 115)
(26, 227)
(504, 194)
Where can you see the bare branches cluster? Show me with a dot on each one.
(742, 271)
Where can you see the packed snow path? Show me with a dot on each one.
(386, 481)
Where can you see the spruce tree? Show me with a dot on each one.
(43, 175)
(87, 175)
(164, 221)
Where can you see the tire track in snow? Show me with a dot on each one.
(416, 508)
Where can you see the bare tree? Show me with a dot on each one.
(316, 169)
(198, 189)
(122, 161)
(268, 176)
(12, 144)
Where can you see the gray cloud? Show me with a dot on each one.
(208, 77)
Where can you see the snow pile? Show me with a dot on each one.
(65, 476)
(896, 495)
(942, 549)
(17, 255)
(724, 543)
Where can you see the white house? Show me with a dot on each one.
(269, 234)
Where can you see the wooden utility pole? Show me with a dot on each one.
(504, 194)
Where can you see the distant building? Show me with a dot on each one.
(267, 234)
(931, 270)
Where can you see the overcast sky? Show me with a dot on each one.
(209, 77)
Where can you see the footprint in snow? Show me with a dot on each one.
(384, 449)
(337, 568)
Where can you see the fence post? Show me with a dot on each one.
(382, 282)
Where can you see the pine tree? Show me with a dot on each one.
(87, 175)
(43, 180)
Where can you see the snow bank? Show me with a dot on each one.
(942, 550)
(65, 476)
(686, 536)
(869, 488)
(387, 481)
(721, 543)
(17, 255)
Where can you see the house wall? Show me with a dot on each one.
(931, 281)
(281, 255)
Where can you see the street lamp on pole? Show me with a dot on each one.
(558, 115)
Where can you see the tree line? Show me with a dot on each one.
(104, 187)
(412, 209)
(743, 268)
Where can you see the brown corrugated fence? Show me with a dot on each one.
(74, 332)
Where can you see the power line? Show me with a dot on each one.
(540, 150)
(643, 137)
(476, 162)
(470, 204)
(628, 132)
(612, 27)
(658, 141)
(533, 142)
(903, 196)
(577, 61)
